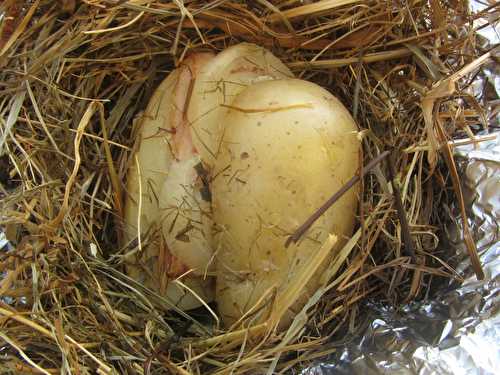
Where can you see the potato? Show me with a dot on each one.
(218, 83)
(164, 155)
(287, 146)
(178, 140)
(153, 158)
(187, 219)
(186, 216)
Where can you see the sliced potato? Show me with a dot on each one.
(287, 146)
(165, 147)
(186, 216)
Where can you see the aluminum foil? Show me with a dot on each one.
(458, 332)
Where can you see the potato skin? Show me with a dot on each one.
(154, 165)
(218, 83)
(288, 145)
(180, 130)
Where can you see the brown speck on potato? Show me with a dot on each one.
(244, 155)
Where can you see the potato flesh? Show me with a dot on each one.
(164, 151)
(186, 217)
(287, 146)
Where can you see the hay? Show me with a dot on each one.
(75, 74)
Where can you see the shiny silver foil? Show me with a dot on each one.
(458, 332)
(474, 324)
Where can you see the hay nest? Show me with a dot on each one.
(75, 74)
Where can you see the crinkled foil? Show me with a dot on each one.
(458, 332)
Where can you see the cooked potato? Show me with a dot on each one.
(287, 146)
(153, 158)
(185, 198)
(186, 216)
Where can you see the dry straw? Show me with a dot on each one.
(73, 76)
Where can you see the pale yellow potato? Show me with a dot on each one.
(218, 83)
(164, 151)
(288, 145)
(186, 217)
(180, 126)
(154, 158)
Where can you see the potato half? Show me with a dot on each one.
(287, 146)
(162, 170)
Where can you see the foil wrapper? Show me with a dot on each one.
(458, 332)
